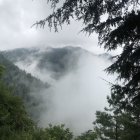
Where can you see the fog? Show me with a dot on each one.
(74, 98)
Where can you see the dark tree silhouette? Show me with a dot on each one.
(117, 22)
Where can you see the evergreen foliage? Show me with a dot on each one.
(15, 124)
(118, 24)
(108, 126)
(89, 135)
(23, 85)
(111, 126)
(13, 117)
(58, 132)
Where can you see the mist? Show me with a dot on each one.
(77, 92)
(76, 95)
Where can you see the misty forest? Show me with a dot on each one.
(56, 84)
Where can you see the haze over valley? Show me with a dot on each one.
(71, 85)
(70, 70)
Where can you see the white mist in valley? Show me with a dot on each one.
(73, 98)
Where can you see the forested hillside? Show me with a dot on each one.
(23, 85)
(20, 84)
(68, 92)
(108, 123)
(56, 61)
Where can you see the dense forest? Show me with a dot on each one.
(120, 120)
(16, 104)
(19, 104)
(24, 85)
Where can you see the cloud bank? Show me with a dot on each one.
(77, 94)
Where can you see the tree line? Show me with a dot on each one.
(120, 28)
(117, 23)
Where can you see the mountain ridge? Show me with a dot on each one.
(58, 61)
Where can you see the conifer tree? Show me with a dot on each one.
(117, 23)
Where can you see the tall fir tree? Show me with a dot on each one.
(117, 22)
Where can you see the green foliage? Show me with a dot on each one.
(119, 28)
(50, 133)
(58, 132)
(15, 123)
(23, 85)
(89, 135)
(121, 126)
(131, 129)
(1, 70)
(117, 23)
(107, 126)
(14, 77)
(13, 117)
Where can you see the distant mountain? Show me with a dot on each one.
(57, 61)
(20, 54)
(75, 79)
(23, 84)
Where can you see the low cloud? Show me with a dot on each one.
(74, 98)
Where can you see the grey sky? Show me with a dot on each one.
(17, 17)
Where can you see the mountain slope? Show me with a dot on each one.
(23, 84)
(56, 62)
(77, 89)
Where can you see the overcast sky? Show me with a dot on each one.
(17, 18)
